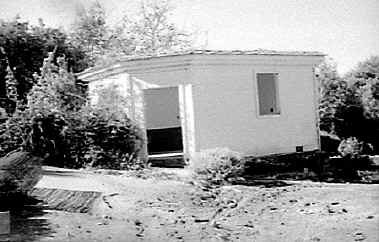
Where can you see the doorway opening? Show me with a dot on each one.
(163, 121)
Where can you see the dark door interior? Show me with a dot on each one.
(162, 117)
(164, 140)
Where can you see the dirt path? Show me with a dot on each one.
(133, 209)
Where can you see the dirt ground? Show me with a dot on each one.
(157, 209)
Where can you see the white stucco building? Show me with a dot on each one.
(255, 102)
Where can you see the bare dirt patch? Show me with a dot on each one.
(154, 209)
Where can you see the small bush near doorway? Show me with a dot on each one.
(216, 167)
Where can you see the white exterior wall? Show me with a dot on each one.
(226, 110)
(219, 95)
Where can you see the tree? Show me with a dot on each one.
(150, 31)
(365, 69)
(364, 82)
(11, 85)
(23, 48)
(91, 32)
(333, 90)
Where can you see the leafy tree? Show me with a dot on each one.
(23, 47)
(357, 111)
(365, 69)
(11, 85)
(91, 32)
(364, 82)
(333, 90)
(55, 123)
(349, 106)
(150, 31)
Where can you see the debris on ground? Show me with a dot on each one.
(66, 200)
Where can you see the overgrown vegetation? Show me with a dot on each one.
(23, 47)
(148, 31)
(58, 125)
(217, 167)
(47, 107)
(349, 106)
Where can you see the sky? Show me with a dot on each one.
(345, 30)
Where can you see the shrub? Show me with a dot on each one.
(97, 139)
(56, 124)
(217, 167)
(350, 147)
(354, 157)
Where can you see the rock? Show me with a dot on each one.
(331, 210)
(344, 210)
(335, 203)
(370, 217)
(249, 224)
(201, 220)
(359, 236)
(137, 222)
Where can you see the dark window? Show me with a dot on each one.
(268, 94)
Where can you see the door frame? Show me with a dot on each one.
(180, 114)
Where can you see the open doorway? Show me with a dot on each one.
(162, 120)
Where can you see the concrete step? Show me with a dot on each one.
(167, 160)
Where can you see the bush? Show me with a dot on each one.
(350, 147)
(354, 157)
(56, 124)
(217, 167)
(97, 139)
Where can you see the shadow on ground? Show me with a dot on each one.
(58, 173)
(28, 222)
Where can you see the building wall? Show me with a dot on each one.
(223, 110)
(226, 109)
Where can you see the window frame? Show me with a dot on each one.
(277, 92)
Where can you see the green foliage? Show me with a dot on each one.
(333, 93)
(23, 47)
(151, 31)
(370, 98)
(217, 167)
(364, 70)
(349, 106)
(148, 31)
(110, 98)
(56, 124)
(97, 138)
(11, 85)
(350, 147)
(91, 32)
